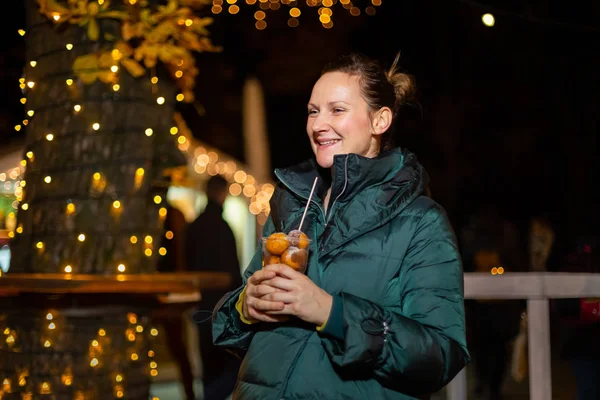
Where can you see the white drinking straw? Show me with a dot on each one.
(308, 202)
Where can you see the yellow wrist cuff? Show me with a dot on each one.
(239, 307)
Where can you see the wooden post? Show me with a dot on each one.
(457, 388)
(540, 379)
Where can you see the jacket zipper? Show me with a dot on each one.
(302, 197)
(330, 208)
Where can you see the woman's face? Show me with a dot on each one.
(338, 119)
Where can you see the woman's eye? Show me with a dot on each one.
(338, 110)
(312, 112)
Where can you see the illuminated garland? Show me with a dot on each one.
(206, 160)
(294, 9)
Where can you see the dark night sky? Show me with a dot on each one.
(506, 115)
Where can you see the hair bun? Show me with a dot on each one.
(404, 84)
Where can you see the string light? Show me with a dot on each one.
(294, 9)
(488, 20)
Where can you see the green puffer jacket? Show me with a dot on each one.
(389, 257)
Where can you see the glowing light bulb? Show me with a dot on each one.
(488, 20)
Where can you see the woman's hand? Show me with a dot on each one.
(300, 296)
(255, 306)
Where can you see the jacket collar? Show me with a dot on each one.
(365, 192)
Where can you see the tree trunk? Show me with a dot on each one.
(93, 202)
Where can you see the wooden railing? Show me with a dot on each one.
(537, 288)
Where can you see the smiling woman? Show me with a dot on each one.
(353, 105)
(380, 307)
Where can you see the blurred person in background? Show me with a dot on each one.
(210, 246)
(171, 318)
(490, 241)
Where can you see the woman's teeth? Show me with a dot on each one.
(329, 142)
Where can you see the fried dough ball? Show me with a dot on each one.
(295, 258)
(277, 243)
(298, 239)
(271, 259)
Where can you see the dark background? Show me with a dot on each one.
(506, 115)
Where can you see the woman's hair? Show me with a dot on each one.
(380, 88)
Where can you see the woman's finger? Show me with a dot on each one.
(280, 283)
(264, 305)
(284, 270)
(260, 316)
(280, 296)
(288, 309)
(263, 289)
(260, 275)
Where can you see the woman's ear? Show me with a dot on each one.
(382, 120)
